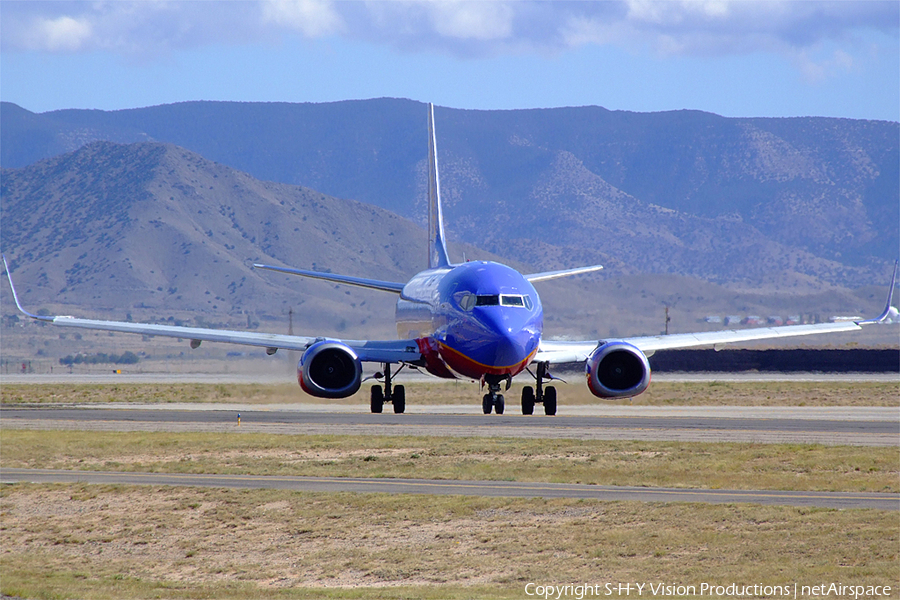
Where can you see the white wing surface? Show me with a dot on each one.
(568, 351)
(375, 284)
(565, 351)
(534, 277)
(367, 350)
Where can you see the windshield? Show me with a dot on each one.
(467, 301)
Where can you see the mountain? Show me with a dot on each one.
(774, 203)
(157, 230)
(154, 232)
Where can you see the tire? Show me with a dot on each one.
(528, 400)
(550, 400)
(376, 401)
(499, 404)
(487, 404)
(399, 399)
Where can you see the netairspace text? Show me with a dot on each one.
(788, 590)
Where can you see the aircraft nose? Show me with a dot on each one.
(513, 341)
(510, 351)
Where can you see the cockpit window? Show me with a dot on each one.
(516, 300)
(487, 300)
(467, 301)
(509, 300)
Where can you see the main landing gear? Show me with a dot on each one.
(396, 395)
(538, 394)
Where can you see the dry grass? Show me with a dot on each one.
(142, 542)
(65, 541)
(654, 464)
(792, 393)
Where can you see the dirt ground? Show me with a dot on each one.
(82, 541)
(147, 539)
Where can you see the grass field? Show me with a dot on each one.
(97, 541)
(88, 542)
(655, 464)
(716, 393)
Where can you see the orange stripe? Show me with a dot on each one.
(517, 367)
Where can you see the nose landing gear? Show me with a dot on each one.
(494, 400)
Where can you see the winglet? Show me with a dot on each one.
(887, 305)
(16, 297)
(437, 248)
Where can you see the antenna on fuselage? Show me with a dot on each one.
(437, 248)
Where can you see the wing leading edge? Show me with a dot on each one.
(368, 350)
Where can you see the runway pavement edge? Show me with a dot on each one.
(833, 500)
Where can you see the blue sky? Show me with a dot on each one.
(760, 58)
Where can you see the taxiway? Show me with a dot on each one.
(864, 426)
(515, 489)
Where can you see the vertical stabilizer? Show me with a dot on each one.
(437, 248)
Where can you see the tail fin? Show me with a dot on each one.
(437, 248)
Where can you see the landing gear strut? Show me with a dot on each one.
(396, 395)
(538, 394)
(494, 400)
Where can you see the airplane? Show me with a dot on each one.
(477, 320)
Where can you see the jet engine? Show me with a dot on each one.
(329, 370)
(616, 370)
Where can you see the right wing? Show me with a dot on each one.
(391, 351)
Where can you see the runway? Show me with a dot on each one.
(838, 500)
(842, 426)
(268, 378)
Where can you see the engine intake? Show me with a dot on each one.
(616, 370)
(329, 370)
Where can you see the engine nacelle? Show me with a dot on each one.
(616, 370)
(329, 370)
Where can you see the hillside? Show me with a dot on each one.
(154, 232)
(775, 204)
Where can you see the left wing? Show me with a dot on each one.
(566, 351)
(388, 351)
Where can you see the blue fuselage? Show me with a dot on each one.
(472, 320)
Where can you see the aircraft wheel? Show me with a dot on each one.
(377, 399)
(499, 404)
(487, 404)
(550, 400)
(528, 400)
(399, 399)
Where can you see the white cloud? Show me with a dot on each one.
(817, 69)
(797, 31)
(466, 28)
(472, 20)
(312, 18)
(62, 34)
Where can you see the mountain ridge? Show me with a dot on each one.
(155, 232)
(801, 202)
(80, 228)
